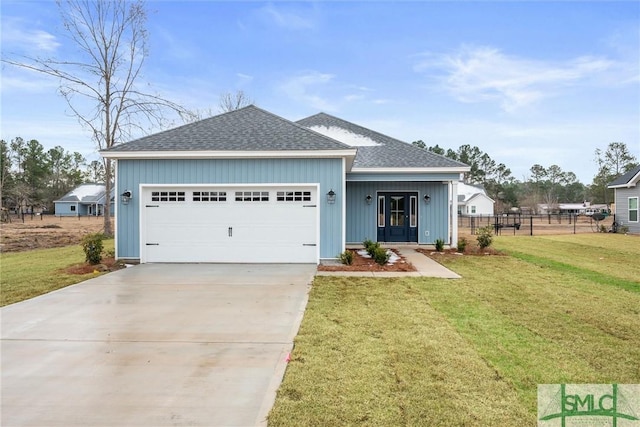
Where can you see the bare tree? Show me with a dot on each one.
(234, 101)
(101, 85)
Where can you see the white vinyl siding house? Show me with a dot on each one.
(473, 201)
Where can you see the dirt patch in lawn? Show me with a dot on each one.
(48, 231)
(361, 263)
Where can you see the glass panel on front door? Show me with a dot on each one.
(397, 211)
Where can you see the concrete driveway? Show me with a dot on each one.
(153, 345)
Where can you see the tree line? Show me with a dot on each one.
(32, 178)
(101, 85)
(545, 184)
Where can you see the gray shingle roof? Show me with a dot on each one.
(87, 193)
(389, 153)
(624, 179)
(247, 129)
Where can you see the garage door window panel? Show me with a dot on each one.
(209, 196)
(293, 196)
(252, 196)
(168, 196)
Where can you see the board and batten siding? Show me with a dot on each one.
(433, 217)
(328, 173)
(622, 208)
(64, 209)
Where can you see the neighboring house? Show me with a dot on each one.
(473, 200)
(85, 200)
(250, 186)
(627, 193)
(584, 208)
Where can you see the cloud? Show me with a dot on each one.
(19, 80)
(323, 91)
(173, 48)
(481, 73)
(308, 87)
(288, 19)
(244, 78)
(31, 41)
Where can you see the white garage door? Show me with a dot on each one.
(250, 224)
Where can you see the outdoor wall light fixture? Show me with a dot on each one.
(331, 197)
(368, 199)
(427, 198)
(125, 197)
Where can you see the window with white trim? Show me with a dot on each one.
(413, 208)
(380, 211)
(473, 209)
(252, 196)
(209, 196)
(633, 209)
(293, 196)
(167, 196)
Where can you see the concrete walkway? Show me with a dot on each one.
(425, 266)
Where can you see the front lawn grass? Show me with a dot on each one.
(24, 275)
(437, 352)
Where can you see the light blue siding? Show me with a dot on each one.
(64, 209)
(432, 216)
(326, 172)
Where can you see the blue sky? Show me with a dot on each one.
(527, 82)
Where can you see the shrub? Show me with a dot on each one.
(462, 244)
(439, 245)
(485, 236)
(92, 247)
(380, 255)
(366, 243)
(602, 229)
(346, 257)
(372, 247)
(623, 229)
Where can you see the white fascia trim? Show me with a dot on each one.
(226, 154)
(631, 183)
(411, 170)
(243, 185)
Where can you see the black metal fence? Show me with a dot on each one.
(519, 224)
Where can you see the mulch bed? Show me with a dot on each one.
(361, 263)
(107, 264)
(469, 251)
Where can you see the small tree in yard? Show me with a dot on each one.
(101, 81)
(485, 237)
(92, 247)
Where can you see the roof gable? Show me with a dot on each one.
(629, 179)
(247, 129)
(375, 150)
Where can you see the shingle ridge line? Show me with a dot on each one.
(381, 134)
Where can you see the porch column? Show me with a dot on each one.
(453, 207)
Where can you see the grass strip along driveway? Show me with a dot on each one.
(28, 274)
(437, 352)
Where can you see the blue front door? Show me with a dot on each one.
(397, 217)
